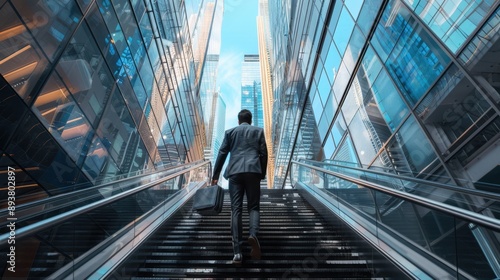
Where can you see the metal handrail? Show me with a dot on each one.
(467, 215)
(103, 258)
(485, 194)
(52, 221)
(22, 207)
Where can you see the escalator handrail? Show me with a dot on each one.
(484, 194)
(461, 213)
(103, 258)
(25, 206)
(55, 220)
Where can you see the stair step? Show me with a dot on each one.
(296, 243)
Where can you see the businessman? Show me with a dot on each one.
(247, 166)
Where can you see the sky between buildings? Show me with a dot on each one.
(239, 37)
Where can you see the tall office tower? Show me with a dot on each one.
(96, 89)
(251, 90)
(208, 95)
(219, 126)
(216, 127)
(411, 87)
(210, 27)
(267, 90)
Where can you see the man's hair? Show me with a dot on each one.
(245, 116)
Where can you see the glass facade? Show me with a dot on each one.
(291, 69)
(211, 27)
(92, 90)
(406, 85)
(208, 95)
(219, 127)
(251, 89)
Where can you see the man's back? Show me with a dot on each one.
(247, 147)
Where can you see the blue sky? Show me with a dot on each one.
(239, 37)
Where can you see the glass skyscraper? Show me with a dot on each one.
(251, 89)
(219, 126)
(209, 52)
(407, 87)
(411, 86)
(265, 46)
(91, 90)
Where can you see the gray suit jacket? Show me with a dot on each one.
(248, 150)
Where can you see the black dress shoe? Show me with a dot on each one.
(254, 242)
(238, 258)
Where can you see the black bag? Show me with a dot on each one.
(209, 200)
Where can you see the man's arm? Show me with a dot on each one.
(221, 158)
(263, 154)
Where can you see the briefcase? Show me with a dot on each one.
(209, 200)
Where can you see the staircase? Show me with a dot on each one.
(296, 243)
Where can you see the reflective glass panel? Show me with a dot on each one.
(332, 62)
(371, 65)
(351, 103)
(323, 127)
(372, 110)
(390, 103)
(117, 130)
(415, 60)
(317, 108)
(354, 6)
(346, 152)
(324, 87)
(414, 145)
(364, 138)
(85, 74)
(330, 107)
(83, 4)
(51, 22)
(138, 157)
(341, 81)
(56, 171)
(22, 63)
(343, 31)
(329, 147)
(452, 109)
(96, 159)
(63, 118)
(354, 49)
(338, 129)
(367, 15)
(453, 21)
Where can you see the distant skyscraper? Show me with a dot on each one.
(101, 89)
(218, 126)
(267, 90)
(210, 31)
(251, 89)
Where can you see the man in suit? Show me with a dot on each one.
(247, 166)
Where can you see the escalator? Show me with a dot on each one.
(61, 244)
(335, 223)
(431, 229)
(296, 242)
(54, 235)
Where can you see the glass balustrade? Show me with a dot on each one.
(458, 245)
(45, 250)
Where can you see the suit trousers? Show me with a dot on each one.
(239, 185)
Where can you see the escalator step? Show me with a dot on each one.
(296, 243)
